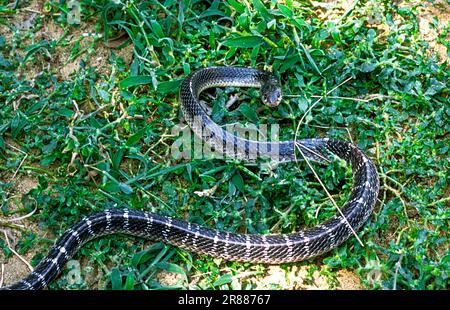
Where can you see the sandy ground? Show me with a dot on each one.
(15, 268)
(440, 9)
(295, 277)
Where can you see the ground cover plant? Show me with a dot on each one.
(88, 103)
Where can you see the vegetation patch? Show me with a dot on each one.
(87, 108)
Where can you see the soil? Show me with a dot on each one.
(274, 276)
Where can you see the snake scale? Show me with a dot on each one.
(272, 249)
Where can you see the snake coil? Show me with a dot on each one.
(272, 249)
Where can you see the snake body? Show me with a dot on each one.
(273, 249)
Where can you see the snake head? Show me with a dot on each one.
(270, 91)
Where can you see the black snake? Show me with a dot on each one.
(273, 249)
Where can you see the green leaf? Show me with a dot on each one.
(36, 106)
(136, 80)
(310, 59)
(116, 157)
(262, 10)
(435, 87)
(145, 255)
(244, 41)
(254, 55)
(303, 104)
(47, 160)
(48, 148)
(111, 187)
(238, 181)
(34, 48)
(129, 283)
(182, 6)
(237, 6)
(249, 113)
(169, 267)
(225, 279)
(368, 67)
(289, 62)
(125, 188)
(104, 95)
(169, 86)
(18, 123)
(157, 29)
(287, 12)
(134, 138)
(66, 112)
(116, 279)
(212, 12)
(332, 261)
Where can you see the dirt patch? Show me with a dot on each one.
(349, 280)
(335, 11)
(14, 268)
(332, 10)
(439, 9)
(169, 278)
(93, 50)
(65, 60)
(22, 184)
(301, 278)
(290, 278)
(26, 184)
(427, 11)
(63, 64)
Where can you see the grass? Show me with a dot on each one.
(99, 136)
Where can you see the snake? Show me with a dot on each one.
(254, 248)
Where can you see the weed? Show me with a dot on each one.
(100, 137)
